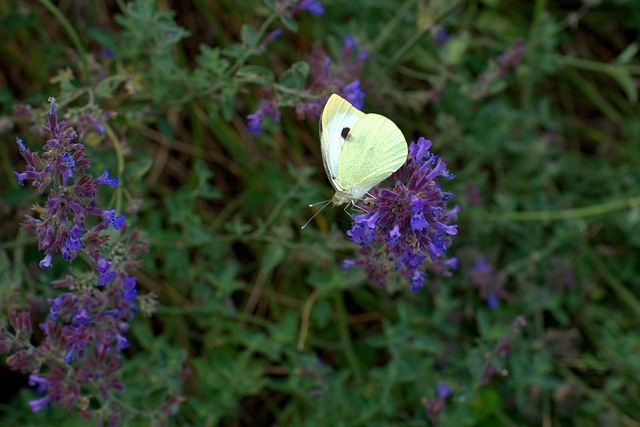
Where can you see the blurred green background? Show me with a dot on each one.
(532, 104)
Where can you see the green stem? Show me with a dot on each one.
(345, 336)
(75, 38)
(621, 291)
(603, 208)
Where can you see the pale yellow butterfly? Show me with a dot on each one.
(358, 150)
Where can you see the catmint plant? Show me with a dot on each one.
(76, 363)
(327, 77)
(405, 229)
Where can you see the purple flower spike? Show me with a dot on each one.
(406, 225)
(83, 334)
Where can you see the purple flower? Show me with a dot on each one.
(407, 226)
(46, 261)
(69, 356)
(110, 218)
(40, 382)
(268, 108)
(83, 334)
(106, 277)
(129, 286)
(55, 304)
(104, 179)
(39, 404)
(441, 36)
(313, 6)
(72, 197)
(122, 343)
(330, 77)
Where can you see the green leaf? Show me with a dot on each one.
(627, 54)
(211, 59)
(227, 96)
(626, 82)
(249, 35)
(296, 76)
(289, 23)
(273, 256)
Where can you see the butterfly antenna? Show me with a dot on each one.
(326, 203)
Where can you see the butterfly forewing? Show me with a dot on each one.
(374, 149)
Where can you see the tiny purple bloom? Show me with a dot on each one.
(55, 303)
(106, 277)
(118, 222)
(46, 261)
(40, 382)
(254, 123)
(21, 177)
(67, 158)
(39, 404)
(81, 319)
(103, 265)
(69, 356)
(104, 179)
(129, 286)
(122, 343)
(21, 144)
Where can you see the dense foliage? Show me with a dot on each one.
(159, 159)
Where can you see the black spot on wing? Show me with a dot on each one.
(345, 132)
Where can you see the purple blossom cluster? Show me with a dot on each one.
(78, 359)
(326, 77)
(406, 228)
(340, 77)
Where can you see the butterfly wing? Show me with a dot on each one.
(338, 118)
(374, 148)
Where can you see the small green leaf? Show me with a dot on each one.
(296, 76)
(289, 23)
(227, 96)
(273, 256)
(249, 35)
(626, 82)
(627, 54)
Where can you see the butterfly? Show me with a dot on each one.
(358, 150)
